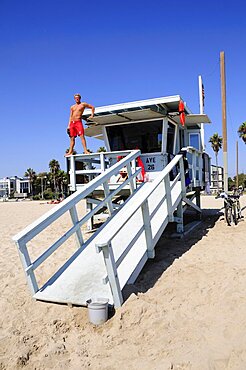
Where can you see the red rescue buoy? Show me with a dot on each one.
(142, 173)
(181, 112)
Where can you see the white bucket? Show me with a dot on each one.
(97, 310)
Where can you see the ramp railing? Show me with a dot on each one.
(129, 240)
(69, 204)
(194, 157)
(93, 165)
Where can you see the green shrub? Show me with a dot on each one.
(48, 194)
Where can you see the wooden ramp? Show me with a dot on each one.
(116, 253)
(84, 276)
(80, 279)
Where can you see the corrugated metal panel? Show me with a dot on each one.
(94, 131)
(142, 114)
(108, 118)
(193, 119)
(167, 100)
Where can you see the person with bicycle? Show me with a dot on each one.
(232, 206)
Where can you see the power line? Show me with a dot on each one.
(213, 71)
(231, 123)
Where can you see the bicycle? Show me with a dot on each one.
(232, 207)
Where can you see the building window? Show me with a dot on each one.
(24, 187)
(146, 136)
(195, 140)
(170, 137)
(181, 138)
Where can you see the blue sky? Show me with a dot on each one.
(112, 52)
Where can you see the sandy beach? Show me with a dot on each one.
(187, 309)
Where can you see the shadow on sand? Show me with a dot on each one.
(169, 249)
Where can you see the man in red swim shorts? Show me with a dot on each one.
(75, 127)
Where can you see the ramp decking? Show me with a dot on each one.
(116, 253)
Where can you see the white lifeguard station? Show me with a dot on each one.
(166, 170)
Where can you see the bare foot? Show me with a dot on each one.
(86, 152)
(67, 154)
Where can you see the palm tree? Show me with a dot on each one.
(41, 181)
(101, 149)
(242, 131)
(74, 151)
(54, 167)
(216, 143)
(62, 179)
(31, 174)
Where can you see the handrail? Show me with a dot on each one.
(42, 222)
(145, 194)
(196, 155)
(167, 196)
(106, 246)
(24, 236)
(74, 228)
(100, 158)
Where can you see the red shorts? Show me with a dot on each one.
(76, 128)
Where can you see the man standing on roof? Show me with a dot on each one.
(75, 127)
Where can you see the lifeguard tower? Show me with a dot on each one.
(166, 170)
(153, 127)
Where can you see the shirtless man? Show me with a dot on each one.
(75, 126)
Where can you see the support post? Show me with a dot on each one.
(180, 222)
(129, 172)
(102, 161)
(168, 197)
(182, 177)
(198, 196)
(147, 229)
(194, 168)
(75, 220)
(112, 272)
(133, 170)
(26, 262)
(72, 173)
(90, 223)
(89, 167)
(200, 166)
(109, 203)
(198, 200)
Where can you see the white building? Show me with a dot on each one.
(217, 179)
(14, 186)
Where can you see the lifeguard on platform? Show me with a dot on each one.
(75, 127)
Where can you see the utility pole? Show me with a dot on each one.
(201, 104)
(42, 187)
(224, 127)
(237, 164)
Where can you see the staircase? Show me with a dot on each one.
(115, 254)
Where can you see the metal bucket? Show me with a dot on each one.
(97, 310)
